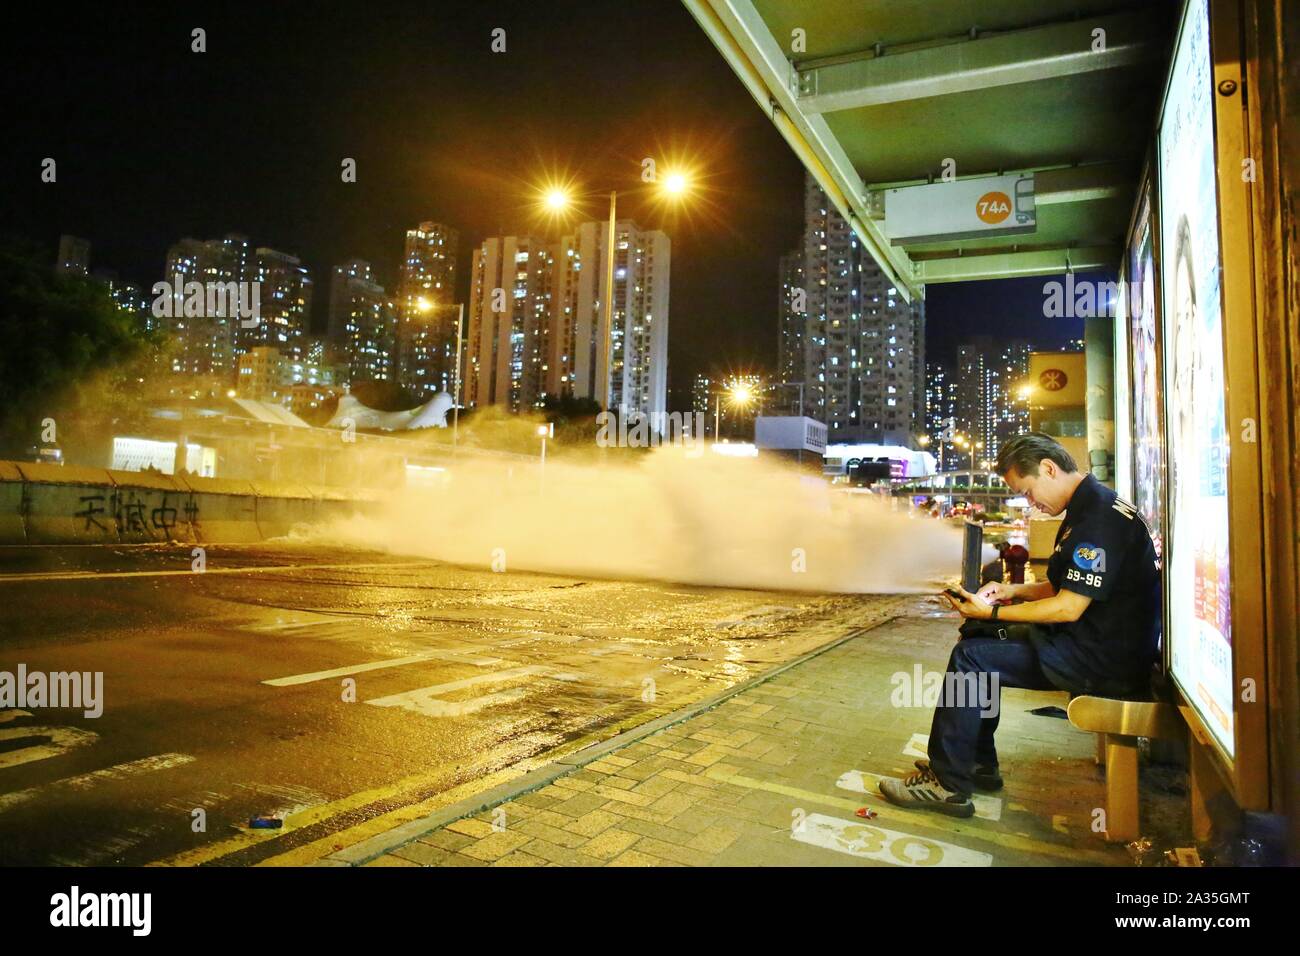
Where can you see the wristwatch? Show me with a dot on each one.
(995, 612)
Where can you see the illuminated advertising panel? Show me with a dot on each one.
(1197, 582)
(1144, 351)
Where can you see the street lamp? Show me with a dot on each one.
(544, 432)
(557, 199)
(739, 394)
(425, 306)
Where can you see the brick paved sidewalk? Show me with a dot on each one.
(773, 775)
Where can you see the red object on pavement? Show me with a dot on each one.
(1015, 558)
(866, 813)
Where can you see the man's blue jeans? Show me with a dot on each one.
(961, 734)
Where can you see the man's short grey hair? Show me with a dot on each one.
(1024, 452)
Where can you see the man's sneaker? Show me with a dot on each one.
(923, 791)
(984, 778)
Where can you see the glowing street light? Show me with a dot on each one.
(556, 199)
(675, 184)
(739, 395)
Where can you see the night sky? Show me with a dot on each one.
(154, 142)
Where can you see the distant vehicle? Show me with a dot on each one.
(45, 454)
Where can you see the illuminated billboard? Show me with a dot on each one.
(1197, 581)
(1147, 425)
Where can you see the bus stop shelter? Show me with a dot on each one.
(1157, 141)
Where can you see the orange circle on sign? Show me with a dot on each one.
(993, 207)
(1053, 380)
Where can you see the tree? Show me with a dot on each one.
(58, 334)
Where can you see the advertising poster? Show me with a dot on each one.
(1144, 349)
(1197, 583)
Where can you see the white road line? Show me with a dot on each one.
(256, 569)
(62, 739)
(885, 846)
(86, 781)
(453, 656)
(424, 700)
(917, 746)
(859, 781)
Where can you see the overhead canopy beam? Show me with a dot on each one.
(1003, 59)
(1090, 183)
(739, 33)
(1009, 265)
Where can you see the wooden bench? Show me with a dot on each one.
(1118, 724)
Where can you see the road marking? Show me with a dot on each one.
(978, 831)
(860, 781)
(62, 739)
(456, 656)
(918, 746)
(424, 700)
(885, 846)
(86, 781)
(254, 569)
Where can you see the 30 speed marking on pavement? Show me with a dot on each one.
(885, 846)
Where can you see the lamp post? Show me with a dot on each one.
(544, 432)
(425, 306)
(455, 403)
(607, 339)
(558, 199)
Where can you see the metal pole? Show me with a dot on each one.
(608, 337)
(455, 405)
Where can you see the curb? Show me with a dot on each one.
(374, 847)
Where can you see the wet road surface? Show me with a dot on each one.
(327, 687)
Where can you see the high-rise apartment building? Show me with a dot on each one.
(857, 344)
(793, 318)
(642, 262)
(426, 331)
(537, 314)
(74, 255)
(941, 412)
(981, 394)
(362, 324)
(284, 295)
(511, 321)
(702, 395)
(205, 343)
(1008, 407)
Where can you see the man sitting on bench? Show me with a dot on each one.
(1091, 628)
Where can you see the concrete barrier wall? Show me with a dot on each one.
(51, 504)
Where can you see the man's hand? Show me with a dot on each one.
(995, 591)
(970, 605)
